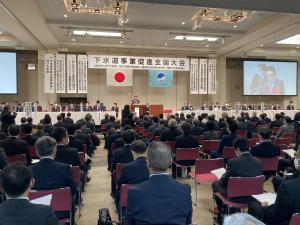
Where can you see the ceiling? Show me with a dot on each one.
(151, 28)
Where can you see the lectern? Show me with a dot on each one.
(155, 110)
(138, 109)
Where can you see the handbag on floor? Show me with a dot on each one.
(105, 218)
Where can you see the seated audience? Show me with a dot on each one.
(197, 129)
(165, 201)
(170, 133)
(244, 165)
(277, 122)
(161, 127)
(155, 124)
(29, 138)
(111, 139)
(68, 120)
(288, 127)
(39, 131)
(105, 120)
(3, 159)
(16, 182)
(73, 141)
(210, 134)
(13, 146)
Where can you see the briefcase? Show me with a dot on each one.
(104, 217)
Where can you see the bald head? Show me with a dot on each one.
(159, 156)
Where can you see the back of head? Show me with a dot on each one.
(128, 136)
(186, 128)
(232, 126)
(288, 119)
(277, 116)
(188, 116)
(39, 126)
(159, 156)
(13, 130)
(172, 123)
(139, 147)
(45, 146)
(155, 119)
(112, 118)
(210, 125)
(161, 116)
(88, 117)
(162, 122)
(68, 114)
(15, 179)
(195, 122)
(62, 115)
(47, 120)
(78, 125)
(59, 118)
(241, 144)
(27, 128)
(71, 129)
(265, 133)
(59, 133)
(29, 120)
(23, 119)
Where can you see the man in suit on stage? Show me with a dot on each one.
(16, 182)
(165, 201)
(270, 84)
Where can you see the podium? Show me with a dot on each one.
(138, 109)
(155, 110)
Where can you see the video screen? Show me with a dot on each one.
(270, 78)
(8, 73)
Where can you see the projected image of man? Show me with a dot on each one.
(256, 87)
(271, 85)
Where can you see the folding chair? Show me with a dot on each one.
(85, 148)
(269, 165)
(113, 148)
(123, 199)
(209, 145)
(76, 176)
(228, 153)
(275, 130)
(145, 134)
(119, 168)
(32, 152)
(172, 145)
(291, 135)
(81, 158)
(200, 139)
(283, 141)
(185, 154)
(252, 142)
(241, 187)
(295, 220)
(103, 128)
(242, 133)
(202, 173)
(61, 201)
(17, 158)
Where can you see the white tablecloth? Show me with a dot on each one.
(218, 113)
(37, 116)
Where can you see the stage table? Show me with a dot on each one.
(37, 116)
(218, 113)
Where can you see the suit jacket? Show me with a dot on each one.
(198, 130)
(165, 201)
(169, 134)
(185, 141)
(83, 137)
(76, 143)
(3, 159)
(243, 166)
(134, 172)
(211, 135)
(122, 155)
(265, 149)
(48, 129)
(21, 211)
(68, 120)
(276, 123)
(7, 119)
(30, 139)
(14, 146)
(287, 203)
(67, 155)
(227, 140)
(104, 121)
(153, 127)
(290, 107)
(286, 128)
(157, 131)
(49, 174)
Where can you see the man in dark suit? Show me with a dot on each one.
(266, 148)
(7, 118)
(29, 138)
(65, 154)
(13, 146)
(244, 165)
(105, 120)
(48, 128)
(277, 122)
(210, 134)
(159, 205)
(170, 133)
(16, 182)
(287, 203)
(154, 125)
(288, 127)
(113, 136)
(82, 136)
(39, 131)
(68, 120)
(290, 106)
(161, 127)
(73, 141)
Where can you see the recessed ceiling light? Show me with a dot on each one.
(166, 43)
(121, 42)
(293, 40)
(235, 26)
(79, 32)
(73, 39)
(261, 45)
(207, 46)
(65, 15)
(297, 47)
(0, 32)
(195, 38)
(183, 23)
(98, 33)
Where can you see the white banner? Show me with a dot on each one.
(60, 73)
(71, 74)
(82, 73)
(138, 63)
(194, 76)
(212, 76)
(203, 76)
(49, 73)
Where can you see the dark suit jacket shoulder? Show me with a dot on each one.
(122, 155)
(186, 141)
(266, 149)
(67, 155)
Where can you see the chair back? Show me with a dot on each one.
(61, 198)
(32, 152)
(156, 138)
(255, 136)
(200, 139)
(113, 147)
(103, 128)
(275, 130)
(85, 148)
(119, 168)
(210, 145)
(207, 165)
(269, 164)
(124, 195)
(252, 142)
(76, 174)
(187, 154)
(229, 152)
(81, 158)
(291, 135)
(17, 158)
(283, 141)
(245, 186)
(146, 133)
(295, 220)
(172, 145)
(242, 133)
(140, 130)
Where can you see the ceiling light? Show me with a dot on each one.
(65, 15)
(166, 44)
(121, 42)
(104, 33)
(293, 40)
(183, 23)
(297, 47)
(261, 45)
(235, 26)
(0, 32)
(223, 40)
(79, 32)
(195, 38)
(73, 39)
(207, 46)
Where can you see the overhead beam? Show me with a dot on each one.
(280, 6)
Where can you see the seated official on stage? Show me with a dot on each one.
(244, 165)
(290, 106)
(135, 100)
(16, 182)
(161, 199)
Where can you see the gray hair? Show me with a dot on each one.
(159, 156)
(172, 123)
(241, 219)
(45, 146)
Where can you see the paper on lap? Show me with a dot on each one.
(219, 172)
(268, 197)
(290, 152)
(45, 200)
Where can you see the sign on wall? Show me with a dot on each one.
(203, 76)
(71, 74)
(160, 78)
(212, 76)
(194, 76)
(82, 73)
(60, 73)
(119, 77)
(138, 63)
(49, 80)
